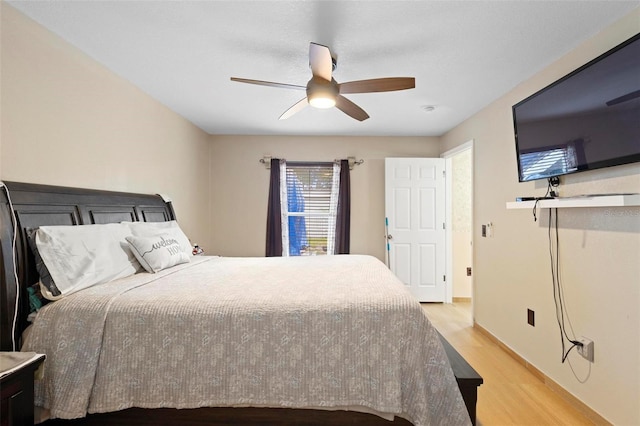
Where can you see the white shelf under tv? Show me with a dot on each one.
(599, 200)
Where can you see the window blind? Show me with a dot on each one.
(311, 206)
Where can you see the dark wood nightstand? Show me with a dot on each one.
(16, 387)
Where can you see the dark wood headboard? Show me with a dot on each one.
(39, 205)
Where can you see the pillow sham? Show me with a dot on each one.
(81, 256)
(157, 252)
(170, 228)
(47, 285)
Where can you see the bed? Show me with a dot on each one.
(313, 340)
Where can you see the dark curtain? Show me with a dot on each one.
(343, 219)
(274, 224)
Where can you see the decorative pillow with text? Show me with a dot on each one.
(157, 252)
(171, 228)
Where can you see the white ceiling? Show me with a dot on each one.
(463, 54)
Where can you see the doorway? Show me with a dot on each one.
(459, 232)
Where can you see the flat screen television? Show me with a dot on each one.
(587, 120)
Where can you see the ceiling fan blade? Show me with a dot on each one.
(624, 98)
(298, 106)
(378, 85)
(269, 83)
(351, 109)
(320, 61)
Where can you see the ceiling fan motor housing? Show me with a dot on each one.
(322, 93)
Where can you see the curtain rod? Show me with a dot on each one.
(266, 160)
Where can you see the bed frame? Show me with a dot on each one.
(39, 205)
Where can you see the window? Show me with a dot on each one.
(309, 204)
(309, 208)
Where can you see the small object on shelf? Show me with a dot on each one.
(533, 198)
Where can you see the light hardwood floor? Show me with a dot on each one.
(510, 394)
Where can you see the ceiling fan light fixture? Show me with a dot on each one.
(322, 101)
(322, 93)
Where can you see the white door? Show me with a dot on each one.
(415, 210)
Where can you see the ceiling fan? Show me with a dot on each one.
(324, 92)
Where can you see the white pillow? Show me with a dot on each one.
(81, 256)
(170, 228)
(158, 252)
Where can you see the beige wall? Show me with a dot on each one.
(67, 120)
(240, 185)
(599, 250)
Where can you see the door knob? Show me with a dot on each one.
(389, 237)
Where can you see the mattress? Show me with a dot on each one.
(325, 331)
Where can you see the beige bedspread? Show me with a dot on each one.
(326, 331)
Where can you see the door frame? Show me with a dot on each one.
(448, 156)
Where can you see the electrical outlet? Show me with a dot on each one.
(531, 317)
(586, 350)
